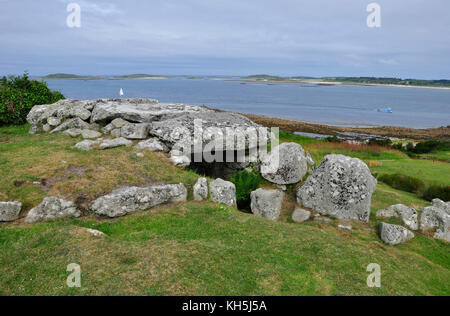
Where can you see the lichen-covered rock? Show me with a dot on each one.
(341, 187)
(90, 134)
(407, 214)
(152, 144)
(62, 110)
(132, 199)
(9, 211)
(71, 123)
(445, 206)
(179, 159)
(139, 110)
(285, 164)
(135, 131)
(266, 203)
(116, 142)
(73, 132)
(433, 217)
(300, 215)
(222, 191)
(52, 208)
(53, 121)
(201, 189)
(87, 144)
(394, 234)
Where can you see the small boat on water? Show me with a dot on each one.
(121, 92)
(385, 110)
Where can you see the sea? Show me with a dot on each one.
(350, 105)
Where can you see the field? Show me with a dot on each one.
(197, 248)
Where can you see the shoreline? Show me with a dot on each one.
(338, 83)
(398, 132)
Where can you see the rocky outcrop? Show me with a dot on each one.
(341, 187)
(152, 144)
(300, 215)
(52, 208)
(223, 192)
(267, 203)
(87, 144)
(433, 217)
(9, 211)
(132, 199)
(116, 142)
(407, 214)
(201, 189)
(72, 123)
(445, 206)
(135, 131)
(394, 234)
(90, 134)
(286, 164)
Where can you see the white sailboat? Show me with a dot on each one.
(121, 92)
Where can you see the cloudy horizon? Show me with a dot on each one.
(201, 37)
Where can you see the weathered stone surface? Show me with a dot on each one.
(52, 208)
(394, 234)
(445, 206)
(89, 134)
(201, 189)
(53, 121)
(322, 219)
(152, 144)
(132, 199)
(138, 110)
(407, 214)
(285, 164)
(46, 128)
(223, 192)
(267, 203)
(119, 123)
(341, 187)
(87, 144)
(71, 123)
(135, 131)
(179, 159)
(116, 132)
(433, 217)
(300, 215)
(95, 233)
(73, 132)
(63, 109)
(116, 142)
(345, 227)
(9, 211)
(34, 129)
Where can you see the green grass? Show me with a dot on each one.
(205, 249)
(195, 248)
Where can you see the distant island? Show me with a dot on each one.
(60, 76)
(443, 83)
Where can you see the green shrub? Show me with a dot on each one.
(333, 139)
(431, 145)
(19, 94)
(437, 192)
(380, 142)
(402, 182)
(245, 182)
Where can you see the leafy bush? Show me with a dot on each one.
(437, 191)
(245, 182)
(431, 145)
(402, 182)
(333, 139)
(380, 142)
(19, 94)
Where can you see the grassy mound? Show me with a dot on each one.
(195, 248)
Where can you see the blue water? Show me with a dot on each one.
(419, 108)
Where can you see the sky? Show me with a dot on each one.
(227, 37)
